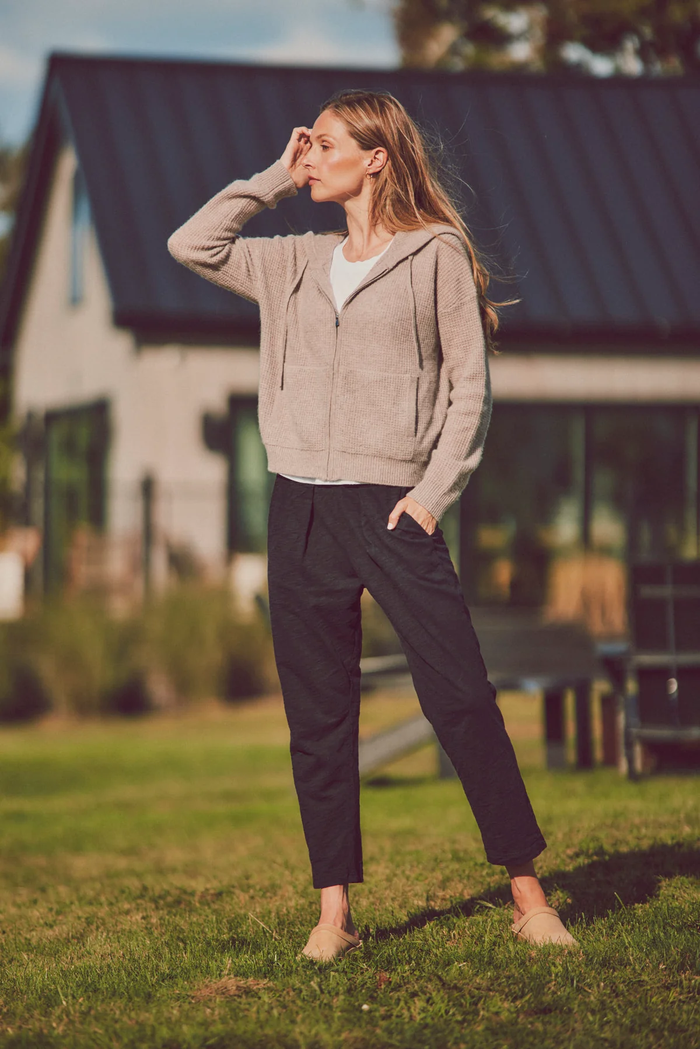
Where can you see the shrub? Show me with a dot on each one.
(23, 693)
(72, 656)
(194, 635)
(249, 667)
(131, 697)
(184, 634)
(73, 647)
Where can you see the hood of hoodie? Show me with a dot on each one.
(405, 244)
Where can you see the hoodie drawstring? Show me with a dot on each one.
(286, 321)
(416, 339)
(414, 309)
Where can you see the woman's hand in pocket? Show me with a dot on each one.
(409, 506)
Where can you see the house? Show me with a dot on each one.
(135, 381)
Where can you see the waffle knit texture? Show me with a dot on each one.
(345, 276)
(394, 387)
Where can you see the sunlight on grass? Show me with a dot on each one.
(156, 893)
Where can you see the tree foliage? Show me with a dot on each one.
(12, 166)
(624, 36)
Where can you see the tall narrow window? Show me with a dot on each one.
(77, 443)
(250, 482)
(80, 227)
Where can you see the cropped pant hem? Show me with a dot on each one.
(322, 881)
(522, 858)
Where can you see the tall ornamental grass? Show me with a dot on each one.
(72, 657)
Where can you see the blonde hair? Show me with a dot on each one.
(407, 191)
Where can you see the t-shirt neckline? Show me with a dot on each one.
(361, 262)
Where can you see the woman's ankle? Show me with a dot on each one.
(335, 908)
(526, 889)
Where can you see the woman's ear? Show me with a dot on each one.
(377, 161)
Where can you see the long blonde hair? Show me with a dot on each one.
(407, 192)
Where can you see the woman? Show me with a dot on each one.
(373, 406)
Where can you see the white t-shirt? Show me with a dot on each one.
(345, 276)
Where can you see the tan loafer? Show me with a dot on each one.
(543, 925)
(328, 942)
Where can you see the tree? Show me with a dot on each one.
(12, 166)
(622, 36)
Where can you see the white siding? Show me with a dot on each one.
(67, 355)
(593, 378)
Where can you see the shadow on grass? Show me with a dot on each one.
(596, 887)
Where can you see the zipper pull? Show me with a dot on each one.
(337, 320)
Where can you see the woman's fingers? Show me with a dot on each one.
(424, 518)
(303, 141)
(297, 148)
(300, 136)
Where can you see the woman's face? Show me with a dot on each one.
(336, 165)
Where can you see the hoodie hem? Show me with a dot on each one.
(367, 469)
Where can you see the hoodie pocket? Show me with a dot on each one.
(299, 414)
(375, 413)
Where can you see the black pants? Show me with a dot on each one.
(326, 543)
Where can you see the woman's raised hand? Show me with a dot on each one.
(297, 148)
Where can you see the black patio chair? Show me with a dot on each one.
(662, 722)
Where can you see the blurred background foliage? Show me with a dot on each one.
(73, 657)
(631, 37)
(13, 161)
(7, 457)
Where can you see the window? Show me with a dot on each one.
(236, 436)
(567, 496)
(80, 227)
(251, 481)
(75, 481)
(641, 482)
(525, 503)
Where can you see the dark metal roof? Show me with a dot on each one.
(586, 188)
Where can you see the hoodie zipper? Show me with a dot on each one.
(333, 373)
(286, 322)
(337, 312)
(335, 353)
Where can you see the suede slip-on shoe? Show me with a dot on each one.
(543, 925)
(328, 942)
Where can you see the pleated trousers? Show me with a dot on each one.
(326, 544)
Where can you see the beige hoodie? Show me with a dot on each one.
(393, 388)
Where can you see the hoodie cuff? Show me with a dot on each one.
(273, 184)
(435, 496)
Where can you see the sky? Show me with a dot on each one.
(301, 32)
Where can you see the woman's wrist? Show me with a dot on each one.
(272, 184)
(299, 178)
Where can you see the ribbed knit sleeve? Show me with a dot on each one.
(208, 243)
(461, 442)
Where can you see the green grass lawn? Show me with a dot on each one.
(156, 893)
